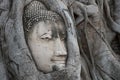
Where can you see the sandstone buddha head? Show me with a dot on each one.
(45, 35)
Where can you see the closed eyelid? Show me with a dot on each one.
(47, 35)
(62, 35)
(43, 34)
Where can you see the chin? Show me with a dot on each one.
(52, 68)
(58, 67)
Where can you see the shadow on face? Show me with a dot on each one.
(47, 44)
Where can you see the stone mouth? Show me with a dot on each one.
(58, 59)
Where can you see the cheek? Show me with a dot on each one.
(46, 51)
(42, 49)
(42, 53)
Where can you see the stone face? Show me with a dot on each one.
(47, 45)
(45, 37)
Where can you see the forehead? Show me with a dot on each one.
(45, 26)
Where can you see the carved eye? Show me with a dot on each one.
(63, 36)
(46, 36)
(62, 39)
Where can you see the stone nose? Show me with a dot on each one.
(61, 53)
(60, 48)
